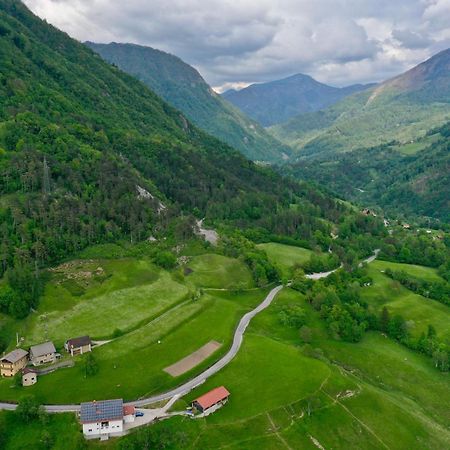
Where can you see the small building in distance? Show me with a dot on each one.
(102, 419)
(29, 377)
(43, 353)
(211, 401)
(13, 362)
(129, 412)
(79, 345)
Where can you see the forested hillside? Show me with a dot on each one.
(410, 180)
(277, 101)
(403, 108)
(183, 87)
(88, 153)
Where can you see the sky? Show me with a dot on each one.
(234, 43)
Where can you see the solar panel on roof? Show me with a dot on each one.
(102, 410)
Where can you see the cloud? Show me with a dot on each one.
(233, 43)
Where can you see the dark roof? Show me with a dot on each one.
(15, 355)
(28, 370)
(103, 410)
(79, 341)
(212, 397)
(42, 349)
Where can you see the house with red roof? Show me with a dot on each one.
(211, 401)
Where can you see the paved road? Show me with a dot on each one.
(198, 380)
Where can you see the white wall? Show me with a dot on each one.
(95, 429)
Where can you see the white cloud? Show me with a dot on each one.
(234, 43)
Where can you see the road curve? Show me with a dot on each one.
(194, 382)
(199, 379)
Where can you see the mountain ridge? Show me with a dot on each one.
(402, 108)
(182, 86)
(278, 100)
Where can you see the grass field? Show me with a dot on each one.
(355, 402)
(285, 256)
(425, 273)
(418, 310)
(132, 365)
(375, 394)
(61, 432)
(99, 316)
(217, 271)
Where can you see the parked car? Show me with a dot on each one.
(139, 414)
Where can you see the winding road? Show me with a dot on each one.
(199, 379)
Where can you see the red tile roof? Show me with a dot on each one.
(212, 397)
(128, 410)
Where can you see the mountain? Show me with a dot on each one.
(277, 101)
(88, 155)
(183, 87)
(403, 108)
(410, 180)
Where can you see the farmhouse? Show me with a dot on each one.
(29, 377)
(43, 353)
(102, 419)
(211, 401)
(79, 345)
(13, 362)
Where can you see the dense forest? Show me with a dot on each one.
(88, 154)
(386, 176)
(183, 87)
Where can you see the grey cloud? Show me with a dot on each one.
(411, 39)
(337, 41)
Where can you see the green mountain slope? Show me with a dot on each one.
(277, 101)
(78, 137)
(183, 87)
(403, 108)
(411, 179)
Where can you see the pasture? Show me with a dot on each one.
(219, 272)
(418, 310)
(285, 256)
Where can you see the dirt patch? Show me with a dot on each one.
(189, 362)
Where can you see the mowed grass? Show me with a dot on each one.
(100, 316)
(132, 365)
(265, 375)
(422, 272)
(418, 310)
(217, 271)
(285, 256)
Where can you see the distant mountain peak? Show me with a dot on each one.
(277, 101)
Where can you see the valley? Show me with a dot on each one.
(264, 269)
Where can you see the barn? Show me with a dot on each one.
(211, 401)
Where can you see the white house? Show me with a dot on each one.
(102, 419)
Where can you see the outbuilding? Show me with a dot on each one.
(102, 419)
(43, 353)
(13, 362)
(211, 401)
(129, 412)
(29, 377)
(79, 345)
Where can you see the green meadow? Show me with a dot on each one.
(285, 256)
(220, 272)
(160, 322)
(340, 398)
(417, 310)
(284, 393)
